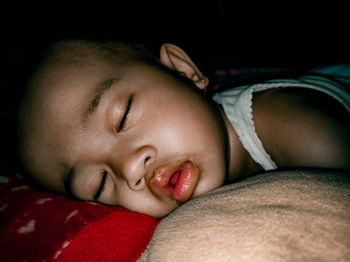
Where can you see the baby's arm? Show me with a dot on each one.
(301, 127)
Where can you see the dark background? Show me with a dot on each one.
(215, 33)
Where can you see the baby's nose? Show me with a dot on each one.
(137, 165)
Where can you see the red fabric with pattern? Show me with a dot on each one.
(40, 226)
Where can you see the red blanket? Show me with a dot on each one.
(39, 226)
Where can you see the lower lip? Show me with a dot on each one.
(186, 182)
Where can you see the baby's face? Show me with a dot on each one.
(133, 136)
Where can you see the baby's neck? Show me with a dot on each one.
(241, 163)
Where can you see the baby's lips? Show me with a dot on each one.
(186, 183)
(183, 187)
(160, 181)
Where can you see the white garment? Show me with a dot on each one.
(237, 104)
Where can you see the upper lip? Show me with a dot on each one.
(159, 183)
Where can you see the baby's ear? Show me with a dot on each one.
(175, 58)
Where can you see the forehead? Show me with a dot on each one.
(59, 79)
(52, 107)
(61, 91)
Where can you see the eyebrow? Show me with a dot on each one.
(100, 90)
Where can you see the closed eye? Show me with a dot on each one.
(102, 186)
(125, 116)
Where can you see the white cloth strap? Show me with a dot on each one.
(237, 104)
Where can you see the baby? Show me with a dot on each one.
(111, 123)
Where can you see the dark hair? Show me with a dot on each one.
(81, 51)
(76, 50)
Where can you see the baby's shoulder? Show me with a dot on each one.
(302, 127)
(296, 101)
